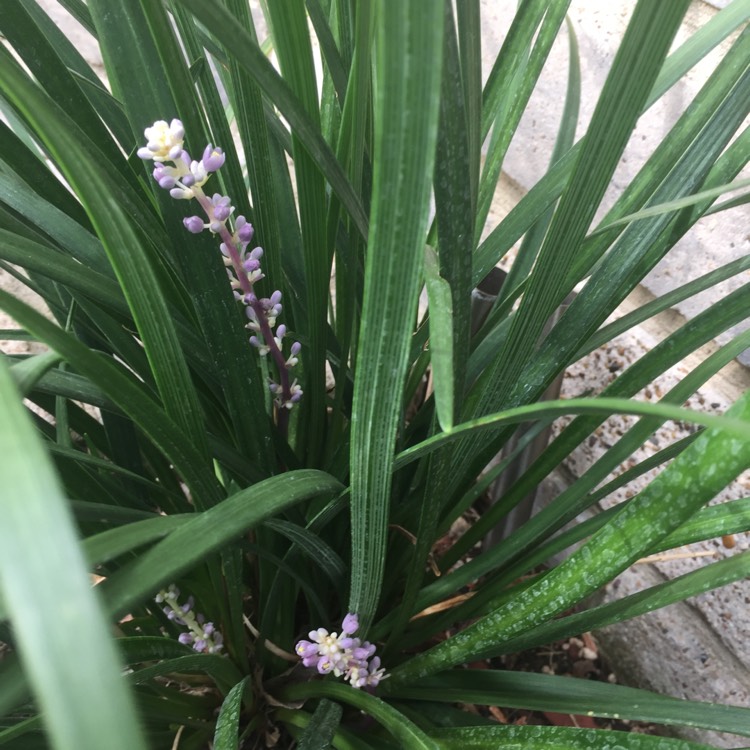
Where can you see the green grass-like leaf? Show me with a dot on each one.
(127, 394)
(564, 695)
(406, 733)
(409, 48)
(441, 339)
(249, 55)
(554, 738)
(319, 732)
(79, 689)
(124, 245)
(667, 502)
(711, 576)
(208, 532)
(228, 720)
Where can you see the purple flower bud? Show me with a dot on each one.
(222, 212)
(188, 180)
(213, 158)
(280, 333)
(208, 629)
(306, 648)
(363, 652)
(272, 308)
(244, 230)
(222, 206)
(199, 645)
(186, 638)
(351, 621)
(296, 348)
(254, 341)
(292, 359)
(194, 224)
(257, 254)
(165, 180)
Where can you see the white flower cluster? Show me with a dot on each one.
(342, 655)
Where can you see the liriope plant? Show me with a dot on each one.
(257, 491)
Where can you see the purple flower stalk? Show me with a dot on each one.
(201, 635)
(184, 179)
(342, 655)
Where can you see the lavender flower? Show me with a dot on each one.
(194, 224)
(201, 635)
(213, 158)
(184, 179)
(342, 655)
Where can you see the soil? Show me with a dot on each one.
(577, 658)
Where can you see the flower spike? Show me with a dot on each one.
(185, 178)
(201, 635)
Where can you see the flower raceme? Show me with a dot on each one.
(185, 178)
(201, 635)
(342, 655)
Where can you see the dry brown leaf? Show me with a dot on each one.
(442, 606)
